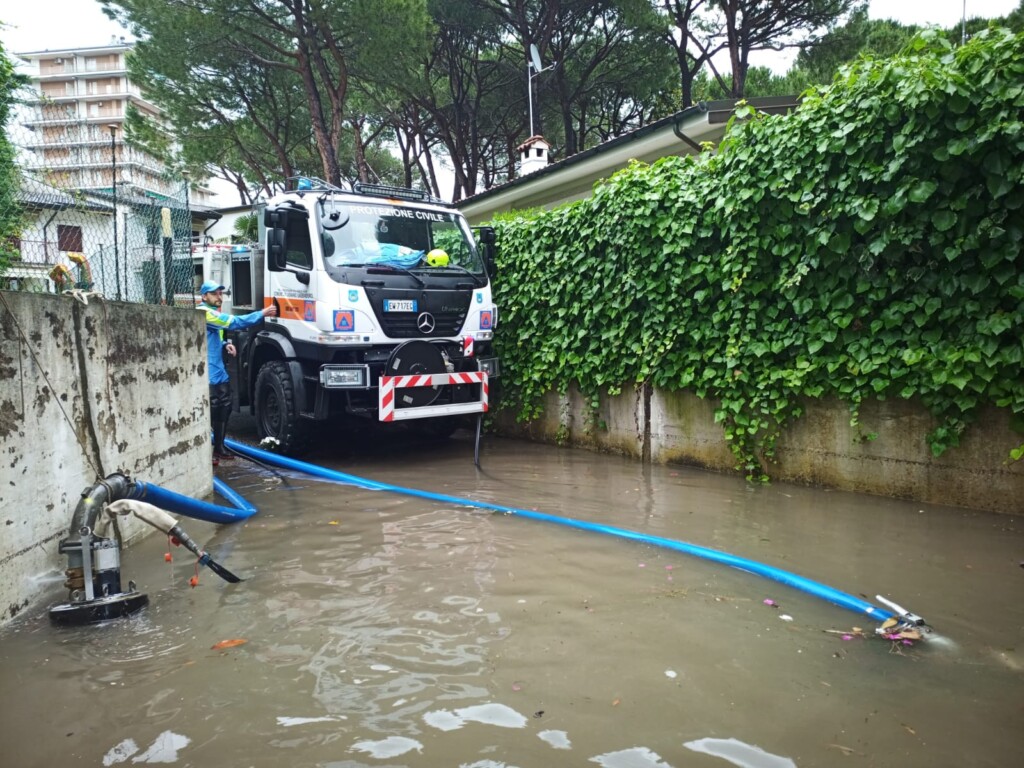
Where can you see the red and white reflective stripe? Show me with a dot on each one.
(388, 385)
(467, 346)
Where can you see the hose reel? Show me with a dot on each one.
(415, 358)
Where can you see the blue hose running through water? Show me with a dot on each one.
(200, 510)
(809, 586)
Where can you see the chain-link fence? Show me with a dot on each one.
(90, 211)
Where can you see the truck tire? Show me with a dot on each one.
(276, 414)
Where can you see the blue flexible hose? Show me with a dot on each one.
(809, 586)
(200, 510)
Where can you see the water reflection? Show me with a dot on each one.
(740, 754)
(163, 750)
(635, 757)
(488, 714)
(557, 739)
(393, 746)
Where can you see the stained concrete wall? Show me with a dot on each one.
(820, 448)
(87, 390)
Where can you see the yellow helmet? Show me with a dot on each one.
(437, 258)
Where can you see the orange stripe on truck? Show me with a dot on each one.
(293, 309)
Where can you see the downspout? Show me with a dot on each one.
(46, 237)
(208, 228)
(682, 136)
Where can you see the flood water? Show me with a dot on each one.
(388, 630)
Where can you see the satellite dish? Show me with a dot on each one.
(535, 57)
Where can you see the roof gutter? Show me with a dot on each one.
(574, 180)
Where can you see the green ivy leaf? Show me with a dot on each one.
(943, 220)
(922, 190)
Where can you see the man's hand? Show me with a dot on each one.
(270, 311)
(230, 349)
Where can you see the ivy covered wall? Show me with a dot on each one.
(866, 246)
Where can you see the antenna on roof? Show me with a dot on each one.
(533, 68)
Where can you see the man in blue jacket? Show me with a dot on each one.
(220, 385)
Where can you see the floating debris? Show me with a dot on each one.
(228, 644)
(892, 630)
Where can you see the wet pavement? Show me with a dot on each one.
(388, 630)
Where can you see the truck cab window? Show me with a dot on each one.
(300, 250)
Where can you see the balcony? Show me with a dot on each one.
(73, 138)
(39, 252)
(54, 95)
(57, 71)
(64, 119)
(92, 68)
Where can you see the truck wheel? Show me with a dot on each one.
(276, 415)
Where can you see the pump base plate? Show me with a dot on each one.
(101, 609)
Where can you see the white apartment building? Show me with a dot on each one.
(77, 121)
(77, 124)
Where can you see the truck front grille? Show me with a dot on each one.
(405, 326)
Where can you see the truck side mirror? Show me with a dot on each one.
(275, 218)
(277, 250)
(488, 240)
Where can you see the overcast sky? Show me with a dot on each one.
(34, 25)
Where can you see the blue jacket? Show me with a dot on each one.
(216, 324)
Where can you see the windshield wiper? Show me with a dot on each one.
(394, 268)
(461, 269)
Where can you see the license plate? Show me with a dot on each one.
(400, 305)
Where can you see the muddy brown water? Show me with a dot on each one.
(388, 630)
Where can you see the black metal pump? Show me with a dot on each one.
(94, 562)
(94, 582)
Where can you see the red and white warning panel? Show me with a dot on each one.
(389, 386)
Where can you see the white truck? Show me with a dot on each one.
(384, 312)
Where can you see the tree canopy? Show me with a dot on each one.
(257, 91)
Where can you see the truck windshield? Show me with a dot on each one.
(438, 242)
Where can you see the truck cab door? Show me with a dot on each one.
(289, 260)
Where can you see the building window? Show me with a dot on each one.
(69, 238)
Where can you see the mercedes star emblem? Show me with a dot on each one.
(425, 322)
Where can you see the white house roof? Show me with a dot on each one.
(35, 194)
(574, 178)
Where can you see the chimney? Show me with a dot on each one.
(533, 155)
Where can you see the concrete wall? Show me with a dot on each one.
(820, 448)
(85, 391)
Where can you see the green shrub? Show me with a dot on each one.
(867, 245)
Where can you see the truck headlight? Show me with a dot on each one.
(335, 376)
